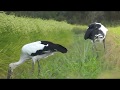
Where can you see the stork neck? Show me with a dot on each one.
(19, 62)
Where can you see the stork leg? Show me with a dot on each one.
(94, 46)
(33, 67)
(33, 63)
(104, 44)
(38, 67)
(9, 73)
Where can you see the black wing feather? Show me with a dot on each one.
(87, 33)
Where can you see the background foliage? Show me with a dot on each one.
(74, 17)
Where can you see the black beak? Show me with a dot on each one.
(9, 73)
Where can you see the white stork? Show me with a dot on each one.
(36, 51)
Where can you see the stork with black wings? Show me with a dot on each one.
(36, 51)
(96, 32)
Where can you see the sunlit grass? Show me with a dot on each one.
(79, 62)
(17, 31)
(113, 74)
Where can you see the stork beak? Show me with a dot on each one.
(9, 73)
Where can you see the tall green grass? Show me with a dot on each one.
(110, 63)
(17, 31)
(79, 62)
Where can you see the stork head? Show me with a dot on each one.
(10, 69)
(12, 66)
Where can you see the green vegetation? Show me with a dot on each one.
(79, 62)
(111, 18)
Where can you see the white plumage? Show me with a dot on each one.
(32, 47)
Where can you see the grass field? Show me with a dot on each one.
(80, 62)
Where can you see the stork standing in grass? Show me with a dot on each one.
(96, 32)
(36, 51)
